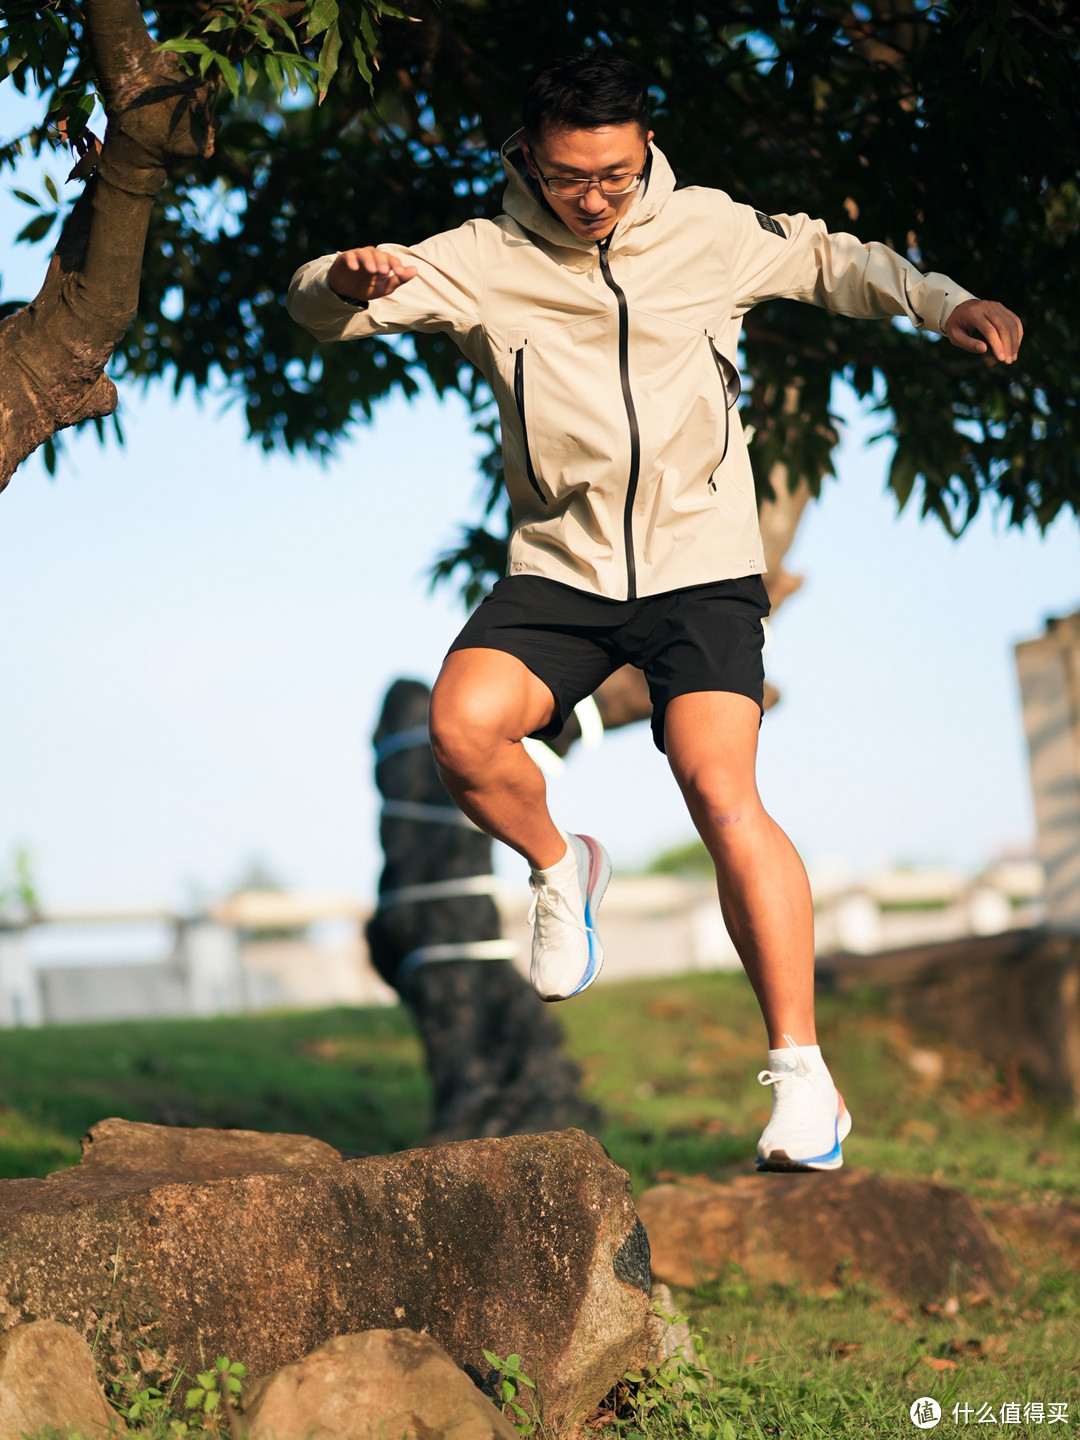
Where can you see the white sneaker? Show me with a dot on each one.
(566, 950)
(809, 1118)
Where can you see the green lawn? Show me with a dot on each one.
(673, 1064)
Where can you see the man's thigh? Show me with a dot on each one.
(554, 632)
(488, 692)
(711, 739)
(708, 638)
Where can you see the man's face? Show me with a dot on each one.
(610, 150)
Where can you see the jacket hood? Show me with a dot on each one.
(523, 202)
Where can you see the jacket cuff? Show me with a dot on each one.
(346, 299)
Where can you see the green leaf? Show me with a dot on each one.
(50, 186)
(321, 15)
(38, 228)
(27, 198)
(275, 74)
(361, 57)
(903, 472)
(367, 30)
(285, 28)
(230, 75)
(194, 1397)
(262, 35)
(328, 60)
(295, 70)
(186, 47)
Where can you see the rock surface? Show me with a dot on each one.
(916, 1240)
(525, 1244)
(48, 1381)
(392, 1383)
(126, 1147)
(666, 1334)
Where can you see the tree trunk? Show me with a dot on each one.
(493, 1049)
(53, 351)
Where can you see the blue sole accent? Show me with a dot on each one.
(592, 967)
(834, 1154)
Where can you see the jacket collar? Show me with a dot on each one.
(523, 200)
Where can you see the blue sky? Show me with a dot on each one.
(197, 638)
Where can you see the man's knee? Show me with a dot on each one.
(482, 702)
(469, 723)
(723, 799)
(460, 723)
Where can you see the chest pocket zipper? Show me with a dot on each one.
(730, 383)
(519, 401)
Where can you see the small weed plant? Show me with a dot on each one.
(209, 1405)
(666, 1401)
(510, 1386)
(216, 1390)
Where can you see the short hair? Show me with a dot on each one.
(585, 91)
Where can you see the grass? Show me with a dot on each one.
(673, 1064)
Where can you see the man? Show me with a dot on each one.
(603, 306)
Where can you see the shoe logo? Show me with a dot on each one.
(925, 1412)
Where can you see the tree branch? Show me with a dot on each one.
(53, 352)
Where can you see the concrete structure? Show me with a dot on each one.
(1049, 671)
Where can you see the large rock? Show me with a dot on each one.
(525, 1244)
(49, 1383)
(364, 1387)
(914, 1239)
(1013, 997)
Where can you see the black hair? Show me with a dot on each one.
(585, 91)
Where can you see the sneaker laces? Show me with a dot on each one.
(549, 901)
(800, 1071)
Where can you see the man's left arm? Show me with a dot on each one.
(795, 257)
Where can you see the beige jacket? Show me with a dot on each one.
(614, 372)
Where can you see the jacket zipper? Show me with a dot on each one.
(631, 415)
(519, 399)
(718, 360)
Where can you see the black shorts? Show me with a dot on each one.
(706, 637)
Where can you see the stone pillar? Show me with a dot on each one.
(20, 994)
(1049, 671)
(494, 1050)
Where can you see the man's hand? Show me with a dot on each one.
(982, 325)
(367, 273)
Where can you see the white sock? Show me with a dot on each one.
(555, 872)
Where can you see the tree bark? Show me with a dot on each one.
(53, 352)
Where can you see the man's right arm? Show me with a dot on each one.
(370, 290)
(362, 275)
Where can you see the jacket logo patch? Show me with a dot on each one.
(768, 223)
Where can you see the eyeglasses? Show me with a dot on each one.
(611, 185)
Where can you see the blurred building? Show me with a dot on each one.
(264, 950)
